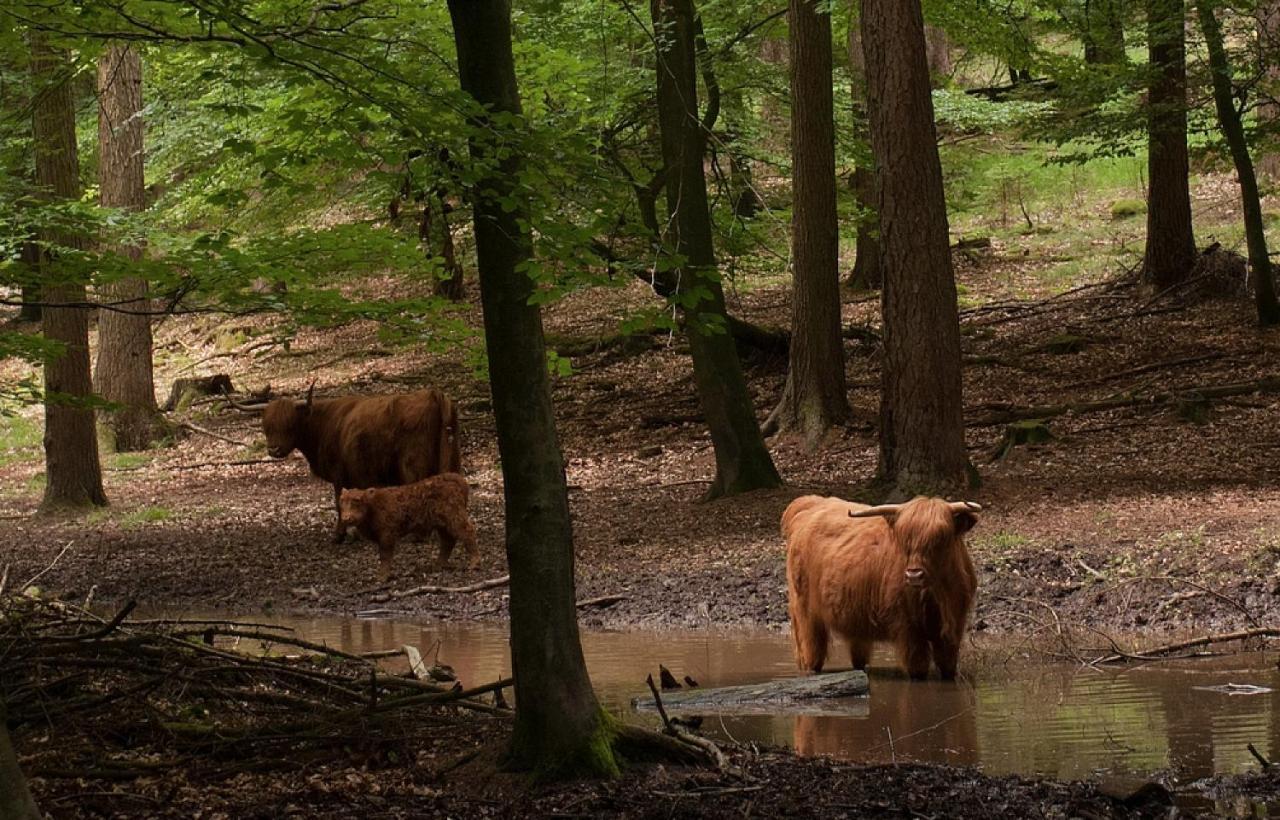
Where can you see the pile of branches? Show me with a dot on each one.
(116, 698)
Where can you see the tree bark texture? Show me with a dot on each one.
(124, 373)
(1171, 242)
(560, 728)
(72, 471)
(921, 413)
(866, 273)
(1233, 129)
(815, 397)
(742, 461)
(16, 802)
(1104, 32)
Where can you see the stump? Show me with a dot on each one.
(834, 693)
(186, 389)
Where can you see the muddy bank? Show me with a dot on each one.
(450, 769)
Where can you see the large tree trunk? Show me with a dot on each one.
(1104, 32)
(1171, 242)
(124, 372)
(560, 729)
(866, 273)
(72, 471)
(742, 461)
(16, 802)
(1233, 130)
(921, 414)
(814, 398)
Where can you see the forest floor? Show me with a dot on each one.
(1156, 518)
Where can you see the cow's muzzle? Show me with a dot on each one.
(915, 577)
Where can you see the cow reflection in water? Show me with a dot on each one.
(927, 721)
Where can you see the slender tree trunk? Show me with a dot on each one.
(1269, 105)
(814, 398)
(124, 373)
(16, 802)
(72, 471)
(921, 413)
(560, 729)
(742, 461)
(16, 96)
(450, 286)
(938, 52)
(1171, 242)
(1104, 32)
(1233, 130)
(866, 273)
(746, 201)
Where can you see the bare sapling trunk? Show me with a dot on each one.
(560, 729)
(124, 372)
(1233, 129)
(1171, 243)
(72, 471)
(742, 460)
(922, 447)
(866, 274)
(814, 398)
(1268, 47)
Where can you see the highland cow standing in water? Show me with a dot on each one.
(437, 504)
(898, 572)
(374, 441)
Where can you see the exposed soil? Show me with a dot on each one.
(1108, 523)
(449, 768)
(1154, 519)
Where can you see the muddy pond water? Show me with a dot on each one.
(1191, 720)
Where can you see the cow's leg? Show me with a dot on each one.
(386, 551)
(447, 542)
(340, 529)
(913, 650)
(811, 642)
(860, 652)
(946, 654)
(466, 533)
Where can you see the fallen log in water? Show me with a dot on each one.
(835, 693)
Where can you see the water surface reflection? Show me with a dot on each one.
(1058, 721)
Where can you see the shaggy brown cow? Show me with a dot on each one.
(368, 441)
(898, 572)
(437, 504)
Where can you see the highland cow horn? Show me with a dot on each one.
(964, 506)
(311, 393)
(871, 512)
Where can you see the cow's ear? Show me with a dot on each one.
(965, 521)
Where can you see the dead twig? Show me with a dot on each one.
(1157, 653)
(186, 425)
(430, 589)
(30, 582)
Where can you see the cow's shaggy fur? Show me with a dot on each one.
(850, 577)
(434, 505)
(368, 441)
